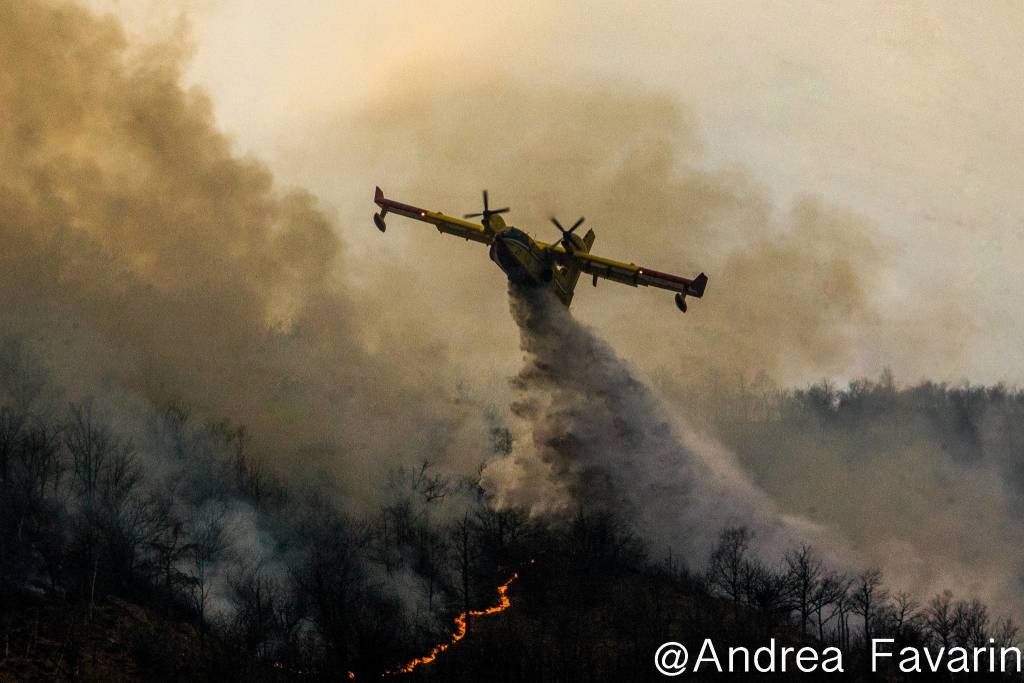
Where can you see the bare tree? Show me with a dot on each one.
(171, 549)
(868, 598)
(328, 583)
(769, 591)
(501, 533)
(829, 590)
(940, 619)
(843, 607)
(210, 544)
(970, 623)
(804, 571)
(728, 571)
(905, 612)
(91, 445)
(1005, 633)
(255, 595)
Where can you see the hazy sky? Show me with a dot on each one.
(846, 174)
(905, 114)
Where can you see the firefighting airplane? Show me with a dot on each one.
(533, 263)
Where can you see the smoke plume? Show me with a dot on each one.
(136, 239)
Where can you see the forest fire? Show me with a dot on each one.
(460, 629)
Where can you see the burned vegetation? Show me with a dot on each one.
(159, 548)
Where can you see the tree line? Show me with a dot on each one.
(846, 609)
(274, 578)
(271, 579)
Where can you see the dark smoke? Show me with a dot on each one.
(145, 264)
(141, 255)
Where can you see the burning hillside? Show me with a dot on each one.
(228, 451)
(461, 628)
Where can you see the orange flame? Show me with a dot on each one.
(460, 630)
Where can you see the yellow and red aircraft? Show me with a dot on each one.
(533, 263)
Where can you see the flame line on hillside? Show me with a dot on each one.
(460, 630)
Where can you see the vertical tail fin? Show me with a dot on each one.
(588, 240)
(568, 276)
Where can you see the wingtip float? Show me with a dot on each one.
(530, 262)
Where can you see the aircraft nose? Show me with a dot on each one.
(501, 254)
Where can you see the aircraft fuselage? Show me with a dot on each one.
(535, 264)
(525, 263)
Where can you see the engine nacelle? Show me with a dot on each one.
(378, 220)
(681, 301)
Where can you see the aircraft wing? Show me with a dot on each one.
(632, 274)
(443, 223)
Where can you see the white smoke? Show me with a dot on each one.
(594, 435)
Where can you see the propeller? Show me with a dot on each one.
(487, 212)
(566, 241)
